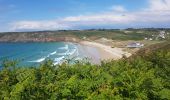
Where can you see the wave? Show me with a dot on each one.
(38, 60)
(75, 50)
(53, 53)
(68, 52)
(65, 47)
(72, 52)
(63, 54)
(58, 60)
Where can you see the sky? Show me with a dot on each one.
(28, 15)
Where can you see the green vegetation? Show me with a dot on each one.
(114, 34)
(139, 78)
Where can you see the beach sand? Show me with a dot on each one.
(98, 52)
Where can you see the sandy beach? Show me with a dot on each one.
(104, 52)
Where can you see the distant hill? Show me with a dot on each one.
(76, 35)
(154, 48)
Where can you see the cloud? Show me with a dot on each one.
(105, 18)
(159, 5)
(38, 25)
(156, 14)
(72, 22)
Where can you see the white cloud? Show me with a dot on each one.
(38, 25)
(159, 5)
(158, 12)
(105, 18)
(74, 21)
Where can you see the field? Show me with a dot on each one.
(113, 34)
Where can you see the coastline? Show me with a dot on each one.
(94, 51)
(105, 52)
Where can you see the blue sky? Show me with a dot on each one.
(21, 15)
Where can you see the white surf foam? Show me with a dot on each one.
(58, 60)
(72, 52)
(65, 47)
(68, 52)
(38, 60)
(64, 54)
(53, 53)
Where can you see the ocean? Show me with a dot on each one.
(33, 54)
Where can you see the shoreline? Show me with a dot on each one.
(96, 52)
(106, 52)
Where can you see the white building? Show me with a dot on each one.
(135, 45)
(150, 39)
(162, 34)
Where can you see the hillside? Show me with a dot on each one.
(143, 78)
(146, 51)
(76, 35)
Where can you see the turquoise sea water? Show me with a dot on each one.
(34, 53)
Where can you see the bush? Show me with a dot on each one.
(140, 78)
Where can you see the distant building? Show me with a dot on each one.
(150, 39)
(127, 31)
(162, 34)
(135, 45)
(84, 38)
